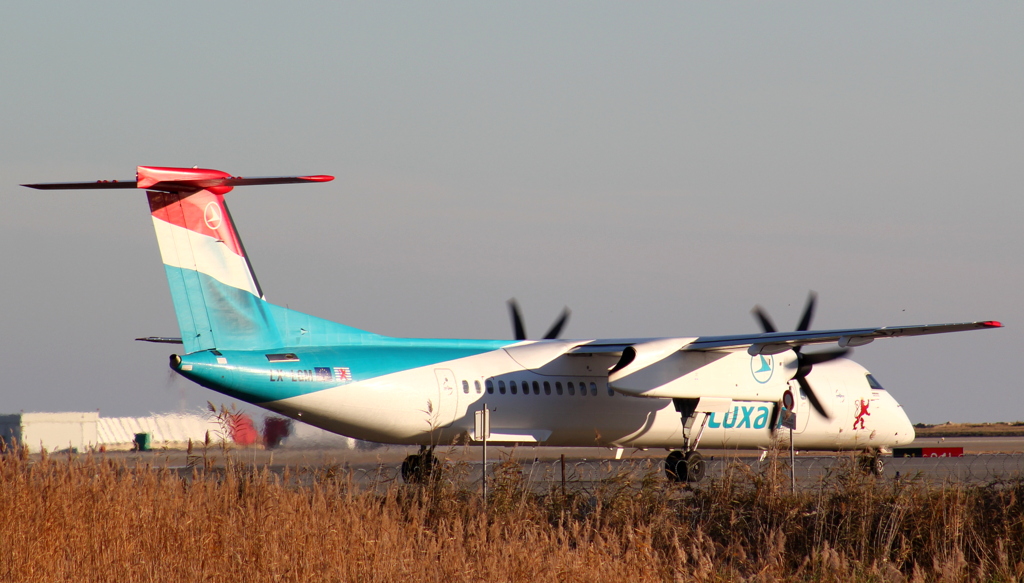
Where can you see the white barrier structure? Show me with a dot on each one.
(50, 431)
(88, 431)
(170, 431)
(83, 432)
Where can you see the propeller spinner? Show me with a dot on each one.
(805, 362)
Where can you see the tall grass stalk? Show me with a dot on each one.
(93, 519)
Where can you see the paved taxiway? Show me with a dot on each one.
(986, 459)
(996, 444)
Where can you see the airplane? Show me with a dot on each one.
(719, 392)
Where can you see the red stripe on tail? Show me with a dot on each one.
(201, 212)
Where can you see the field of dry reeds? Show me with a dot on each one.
(87, 518)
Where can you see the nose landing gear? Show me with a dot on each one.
(872, 462)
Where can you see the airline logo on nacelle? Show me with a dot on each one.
(762, 367)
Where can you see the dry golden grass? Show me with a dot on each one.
(1014, 429)
(91, 519)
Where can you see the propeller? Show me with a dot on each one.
(520, 330)
(805, 362)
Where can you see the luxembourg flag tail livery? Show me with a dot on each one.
(217, 298)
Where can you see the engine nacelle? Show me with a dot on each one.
(664, 369)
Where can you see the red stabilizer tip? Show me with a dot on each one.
(318, 178)
(992, 324)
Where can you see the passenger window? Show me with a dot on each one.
(558, 388)
(547, 388)
(476, 384)
(536, 388)
(490, 386)
(512, 387)
(465, 387)
(611, 391)
(593, 389)
(501, 387)
(572, 389)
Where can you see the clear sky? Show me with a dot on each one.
(658, 167)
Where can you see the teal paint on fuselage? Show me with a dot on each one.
(249, 376)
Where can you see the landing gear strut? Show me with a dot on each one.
(420, 468)
(688, 465)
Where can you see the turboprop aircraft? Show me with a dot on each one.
(674, 393)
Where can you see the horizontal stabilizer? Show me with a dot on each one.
(160, 340)
(84, 185)
(182, 180)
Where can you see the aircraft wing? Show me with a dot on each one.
(661, 367)
(775, 342)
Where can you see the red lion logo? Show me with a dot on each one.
(864, 403)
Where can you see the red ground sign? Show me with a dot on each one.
(928, 452)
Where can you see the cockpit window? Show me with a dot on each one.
(874, 384)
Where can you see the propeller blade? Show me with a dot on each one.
(517, 320)
(773, 423)
(766, 323)
(808, 315)
(812, 358)
(556, 328)
(806, 387)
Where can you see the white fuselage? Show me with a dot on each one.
(436, 404)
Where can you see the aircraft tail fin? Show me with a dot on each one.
(217, 298)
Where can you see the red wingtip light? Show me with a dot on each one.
(992, 324)
(318, 178)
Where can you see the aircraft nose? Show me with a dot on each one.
(905, 433)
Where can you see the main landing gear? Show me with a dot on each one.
(420, 468)
(687, 465)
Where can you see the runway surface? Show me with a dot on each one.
(985, 460)
(975, 445)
